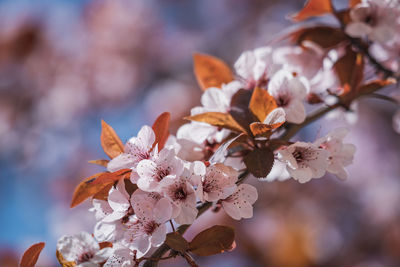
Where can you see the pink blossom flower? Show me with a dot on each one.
(136, 149)
(340, 155)
(256, 67)
(240, 203)
(147, 227)
(152, 173)
(304, 161)
(376, 19)
(110, 226)
(289, 92)
(83, 250)
(219, 182)
(121, 257)
(183, 197)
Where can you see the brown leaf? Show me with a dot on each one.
(259, 162)
(101, 162)
(130, 187)
(176, 241)
(313, 8)
(31, 255)
(353, 3)
(111, 177)
(103, 193)
(350, 69)
(239, 109)
(110, 141)
(374, 85)
(324, 36)
(161, 129)
(262, 129)
(214, 240)
(64, 262)
(217, 119)
(261, 103)
(105, 245)
(211, 71)
(86, 189)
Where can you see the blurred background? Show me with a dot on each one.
(65, 65)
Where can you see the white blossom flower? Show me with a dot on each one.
(185, 148)
(255, 67)
(183, 197)
(101, 209)
(219, 182)
(136, 149)
(376, 19)
(121, 257)
(213, 100)
(240, 203)
(152, 173)
(304, 161)
(147, 227)
(110, 227)
(289, 92)
(83, 250)
(340, 155)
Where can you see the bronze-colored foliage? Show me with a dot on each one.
(325, 36)
(214, 240)
(161, 129)
(259, 162)
(313, 8)
(111, 143)
(176, 241)
(218, 119)
(31, 255)
(211, 71)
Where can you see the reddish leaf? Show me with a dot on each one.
(101, 162)
(110, 141)
(217, 119)
(261, 103)
(353, 3)
(161, 129)
(214, 240)
(239, 109)
(324, 36)
(259, 162)
(313, 8)
(350, 69)
(111, 177)
(261, 129)
(86, 189)
(177, 242)
(103, 193)
(105, 245)
(63, 262)
(211, 71)
(31, 255)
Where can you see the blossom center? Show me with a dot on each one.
(180, 193)
(150, 227)
(161, 173)
(84, 257)
(283, 101)
(303, 154)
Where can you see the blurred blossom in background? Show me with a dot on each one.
(65, 65)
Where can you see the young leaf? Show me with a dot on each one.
(217, 119)
(95, 184)
(324, 36)
(110, 141)
(214, 240)
(177, 242)
(259, 162)
(31, 255)
(313, 8)
(261, 103)
(211, 71)
(239, 109)
(353, 3)
(350, 69)
(63, 262)
(101, 162)
(262, 129)
(161, 129)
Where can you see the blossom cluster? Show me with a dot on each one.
(243, 128)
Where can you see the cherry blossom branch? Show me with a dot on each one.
(164, 248)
